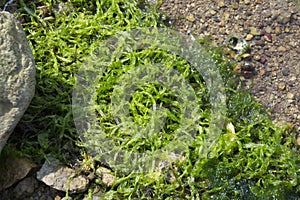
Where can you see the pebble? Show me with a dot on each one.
(56, 176)
(268, 29)
(260, 42)
(248, 74)
(268, 37)
(286, 30)
(235, 5)
(247, 2)
(191, 18)
(25, 188)
(262, 72)
(249, 37)
(106, 177)
(284, 18)
(277, 30)
(256, 57)
(263, 60)
(221, 4)
(293, 78)
(281, 86)
(13, 169)
(290, 95)
(254, 31)
(279, 60)
(281, 49)
(212, 12)
(285, 71)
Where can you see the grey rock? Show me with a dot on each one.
(25, 188)
(17, 75)
(13, 169)
(284, 18)
(285, 71)
(106, 177)
(59, 176)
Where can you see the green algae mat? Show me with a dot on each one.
(165, 111)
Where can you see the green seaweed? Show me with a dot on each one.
(256, 160)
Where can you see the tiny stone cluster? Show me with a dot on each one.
(272, 28)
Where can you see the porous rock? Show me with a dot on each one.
(13, 169)
(61, 177)
(17, 75)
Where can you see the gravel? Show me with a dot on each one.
(272, 28)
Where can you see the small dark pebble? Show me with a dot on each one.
(285, 71)
(262, 32)
(260, 43)
(297, 98)
(248, 74)
(248, 66)
(261, 24)
(217, 20)
(257, 37)
(263, 60)
(268, 37)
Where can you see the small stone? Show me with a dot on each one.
(293, 78)
(248, 74)
(246, 56)
(25, 188)
(226, 16)
(259, 41)
(254, 31)
(268, 29)
(58, 176)
(290, 95)
(277, 30)
(279, 60)
(212, 12)
(262, 32)
(217, 20)
(106, 178)
(247, 2)
(221, 4)
(235, 5)
(263, 60)
(13, 169)
(268, 37)
(284, 18)
(285, 71)
(191, 18)
(66, 198)
(281, 49)
(281, 86)
(238, 69)
(249, 37)
(256, 57)
(286, 30)
(57, 198)
(262, 72)
(248, 66)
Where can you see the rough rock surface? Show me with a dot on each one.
(17, 75)
(13, 169)
(59, 177)
(107, 178)
(25, 188)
